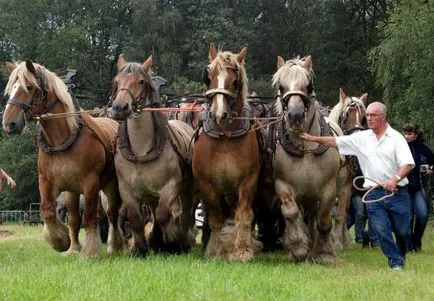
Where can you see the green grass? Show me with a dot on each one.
(31, 270)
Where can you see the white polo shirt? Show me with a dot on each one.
(381, 159)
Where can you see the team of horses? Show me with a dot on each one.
(261, 185)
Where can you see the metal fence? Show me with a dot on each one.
(30, 216)
(13, 216)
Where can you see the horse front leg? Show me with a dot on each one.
(92, 241)
(55, 232)
(341, 237)
(133, 207)
(295, 239)
(74, 220)
(244, 247)
(113, 200)
(323, 250)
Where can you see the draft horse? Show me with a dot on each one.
(152, 162)
(305, 173)
(226, 158)
(75, 155)
(350, 115)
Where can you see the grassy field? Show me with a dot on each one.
(31, 270)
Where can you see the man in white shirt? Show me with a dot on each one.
(384, 157)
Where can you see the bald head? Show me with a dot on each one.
(378, 107)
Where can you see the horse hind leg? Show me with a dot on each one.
(55, 232)
(74, 220)
(295, 238)
(112, 202)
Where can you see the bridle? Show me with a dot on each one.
(32, 102)
(230, 96)
(343, 116)
(139, 102)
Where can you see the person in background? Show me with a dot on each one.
(422, 156)
(385, 160)
(9, 180)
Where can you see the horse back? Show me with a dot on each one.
(181, 136)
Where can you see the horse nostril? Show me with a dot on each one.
(224, 115)
(125, 107)
(211, 115)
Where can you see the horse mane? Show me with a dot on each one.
(227, 59)
(52, 84)
(288, 74)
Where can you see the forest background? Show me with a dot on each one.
(381, 47)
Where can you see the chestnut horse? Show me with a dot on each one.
(152, 162)
(350, 115)
(75, 155)
(226, 158)
(305, 173)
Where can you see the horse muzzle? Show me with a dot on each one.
(13, 126)
(296, 120)
(121, 110)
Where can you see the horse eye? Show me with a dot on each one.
(141, 82)
(29, 87)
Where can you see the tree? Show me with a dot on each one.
(404, 63)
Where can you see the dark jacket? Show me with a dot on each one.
(421, 155)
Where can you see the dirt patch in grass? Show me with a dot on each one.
(5, 233)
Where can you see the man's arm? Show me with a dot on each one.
(401, 174)
(326, 140)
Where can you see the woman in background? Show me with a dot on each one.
(422, 155)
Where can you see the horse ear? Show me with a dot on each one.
(121, 62)
(212, 54)
(148, 63)
(280, 62)
(342, 95)
(241, 56)
(11, 66)
(364, 97)
(308, 62)
(30, 67)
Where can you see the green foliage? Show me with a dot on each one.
(404, 64)
(18, 159)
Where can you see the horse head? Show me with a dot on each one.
(350, 112)
(293, 81)
(133, 88)
(226, 80)
(33, 91)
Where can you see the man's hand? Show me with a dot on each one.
(391, 184)
(306, 136)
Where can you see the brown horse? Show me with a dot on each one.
(226, 158)
(75, 155)
(151, 162)
(350, 115)
(305, 173)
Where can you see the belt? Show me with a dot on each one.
(399, 189)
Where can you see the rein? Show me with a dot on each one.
(369, 190)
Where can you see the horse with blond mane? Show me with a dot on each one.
(305, 173)
(226, 158)
(75, 155)
(350, 115)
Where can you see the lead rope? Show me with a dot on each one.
(368, 190)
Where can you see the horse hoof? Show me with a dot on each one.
(326, 259)
(242, 255)
(71, 251)
(57, 238)
(140, 253)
